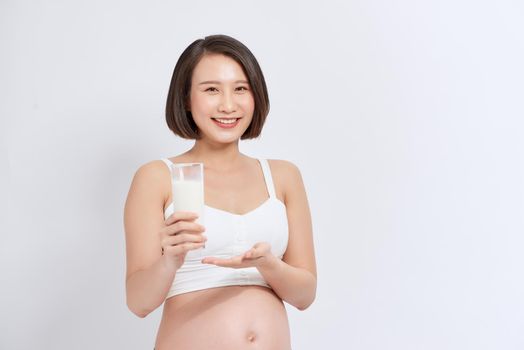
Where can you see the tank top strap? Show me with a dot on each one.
(267, 177)
(168, 163)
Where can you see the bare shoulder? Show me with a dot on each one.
(150, 183)
(152, 169)
(286, 176)
(153, 175)
(282, 165)
(155, 172)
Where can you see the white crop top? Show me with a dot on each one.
(229, 234)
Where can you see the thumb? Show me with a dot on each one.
(261, 248)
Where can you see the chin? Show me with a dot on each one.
(218, 138)
(226, 140)
(224, 137)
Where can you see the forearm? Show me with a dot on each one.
(146, 289)
(294, 285)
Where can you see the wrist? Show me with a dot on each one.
(168, 263)
(269, 264)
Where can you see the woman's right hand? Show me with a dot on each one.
(180, 235)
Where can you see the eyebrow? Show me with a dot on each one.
(217, 82)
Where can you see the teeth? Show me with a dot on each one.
(226, 121)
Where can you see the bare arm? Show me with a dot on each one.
(294, 278)
(149, 273)
(147, 289)
(148, 277)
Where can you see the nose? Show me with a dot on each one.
(227, 103)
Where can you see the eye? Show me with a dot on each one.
(243, 87)
(209, 89)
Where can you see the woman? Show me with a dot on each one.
(257, 216)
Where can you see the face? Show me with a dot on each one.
(221, 100)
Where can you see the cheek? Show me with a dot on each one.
(248, 103)
(201, 104)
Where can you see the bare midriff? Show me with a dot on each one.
(233, 317)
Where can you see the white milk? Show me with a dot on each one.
(188, 195)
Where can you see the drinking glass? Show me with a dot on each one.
(187, 181)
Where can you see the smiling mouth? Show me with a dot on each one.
(226, 120)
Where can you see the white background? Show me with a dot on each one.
(405, 118)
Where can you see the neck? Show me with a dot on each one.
(215, 156)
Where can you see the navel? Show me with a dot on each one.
(251, 337)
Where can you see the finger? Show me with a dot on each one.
(224, 263)
(262, 248)
(182, 248)
(231, 262)
(181, 215)
(251, 253)
(180, 226)
(183, 238)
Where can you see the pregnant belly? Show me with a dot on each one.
(235, 317)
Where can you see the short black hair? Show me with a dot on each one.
(179, 119)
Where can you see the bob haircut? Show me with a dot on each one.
(179, 119)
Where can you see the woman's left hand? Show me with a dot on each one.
(257, 256)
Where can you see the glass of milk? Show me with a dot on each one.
(187, 180)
